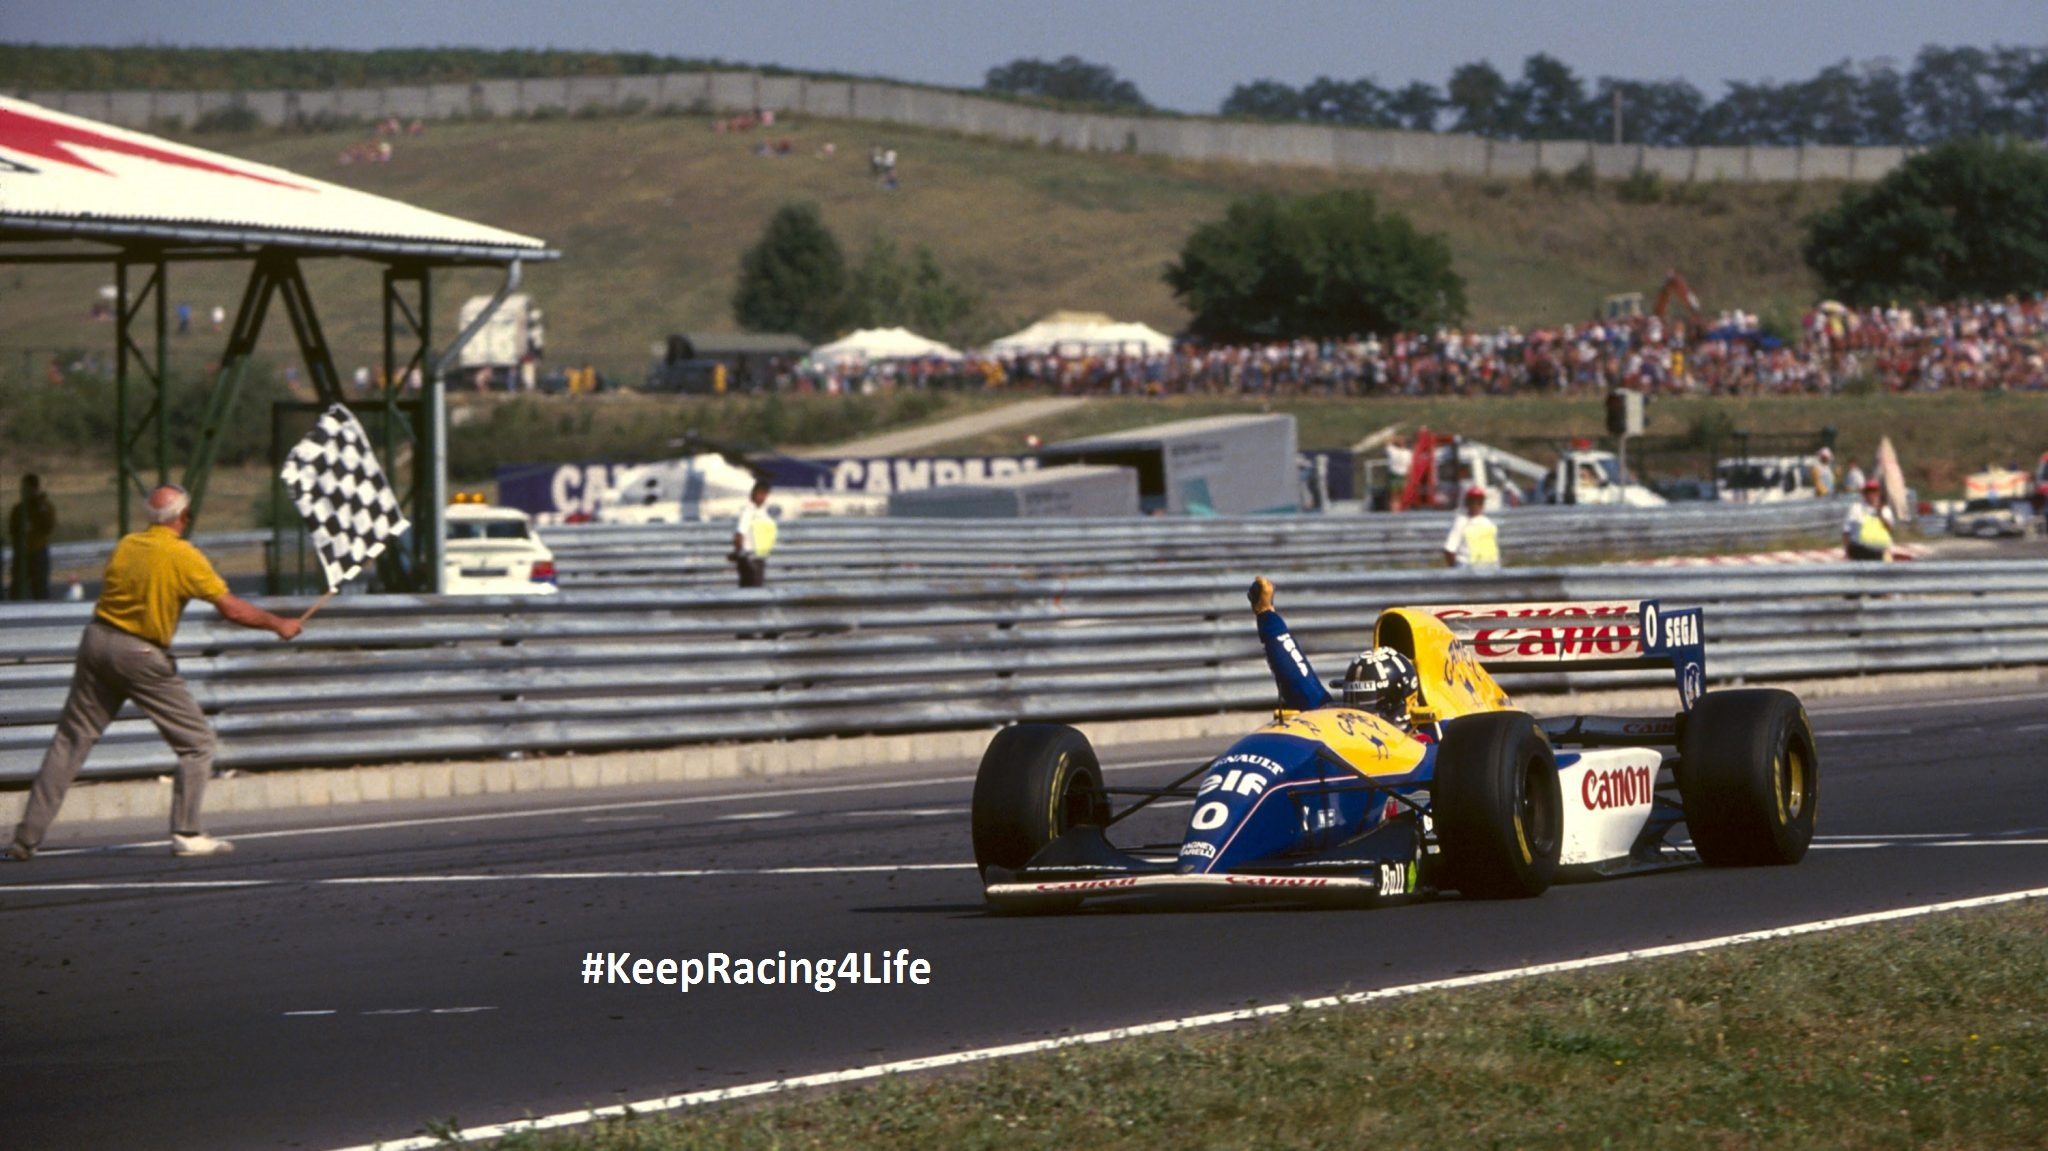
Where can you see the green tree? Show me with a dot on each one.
(887, 291)
(1969, 218)
(1263, 100)
(794, 277)
(1068, 78)
(1549, 101)
(1478, 95)
(1332, 264)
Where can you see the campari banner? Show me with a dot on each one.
(553, 491)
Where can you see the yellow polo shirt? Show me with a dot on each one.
(152, 575)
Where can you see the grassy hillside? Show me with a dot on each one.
(652, 212)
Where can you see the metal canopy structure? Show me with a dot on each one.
(78, 191)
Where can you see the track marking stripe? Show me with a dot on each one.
(1186, 1023)
(1837, 843)
(479, 877)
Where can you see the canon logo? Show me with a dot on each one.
(1274, 881)
(1621, 787)
(1088, 885)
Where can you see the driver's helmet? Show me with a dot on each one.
(1380, 681)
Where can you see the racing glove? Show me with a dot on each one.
(1261, 595)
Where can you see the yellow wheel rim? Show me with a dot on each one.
(1790, 771)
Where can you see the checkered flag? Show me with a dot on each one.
(347, 503)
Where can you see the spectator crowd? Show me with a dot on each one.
(1994, 345)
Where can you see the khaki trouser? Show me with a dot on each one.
(114, 667)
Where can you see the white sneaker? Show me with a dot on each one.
(201, 844)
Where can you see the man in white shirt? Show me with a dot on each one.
(1867, 528)
(753, 537)
(1474, 542)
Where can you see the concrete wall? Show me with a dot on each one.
(1185, 138)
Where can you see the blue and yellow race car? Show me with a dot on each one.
(1423, 777)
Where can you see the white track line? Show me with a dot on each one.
(1186, 1023)
(1832, 843)
(480, 877)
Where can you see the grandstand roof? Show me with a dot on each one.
(66, 177)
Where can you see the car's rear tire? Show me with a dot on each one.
(1750, 777)
(1496, 805)
(1036, 781)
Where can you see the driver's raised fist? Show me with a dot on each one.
(1261, 594)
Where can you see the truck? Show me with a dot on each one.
(1219, 465)
(514, 336)
(713, 363)
(1440, 469)
(1767, 479)
(1588, 476)
(1071, 491)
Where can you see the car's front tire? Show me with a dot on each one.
(1497, 808)
(1036, 781)
(1750, 777)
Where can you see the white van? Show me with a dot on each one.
(1766, 479)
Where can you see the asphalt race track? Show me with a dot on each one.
(350, 977)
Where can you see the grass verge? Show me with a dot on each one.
(1927, 1033)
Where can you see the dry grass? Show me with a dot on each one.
(652, 213)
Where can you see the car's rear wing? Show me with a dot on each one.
(1616, 635)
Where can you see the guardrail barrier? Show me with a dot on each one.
(403, 677)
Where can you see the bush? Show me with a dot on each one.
(1968, 219)
(76, 419)
(794, 277)
(233, 118)
(1328, 265)
(1641, 186)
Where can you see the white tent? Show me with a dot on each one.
(870, 344)
(1082, 333)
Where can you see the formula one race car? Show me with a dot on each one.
(1461, 792)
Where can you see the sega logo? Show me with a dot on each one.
(1287, 643)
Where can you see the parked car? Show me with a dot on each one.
(494, 551)
(1987, 518)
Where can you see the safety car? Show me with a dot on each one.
(494, 551)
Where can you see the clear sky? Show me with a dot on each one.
(1183, 54)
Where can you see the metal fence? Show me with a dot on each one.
(380, 678)
(835, 550)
